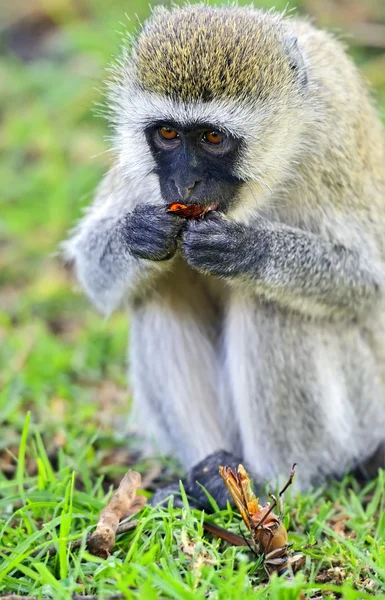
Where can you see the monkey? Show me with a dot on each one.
(256, 332)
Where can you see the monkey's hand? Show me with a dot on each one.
(297, 269)
(221, 247)
(151, 232)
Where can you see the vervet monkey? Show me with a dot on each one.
(259, 329)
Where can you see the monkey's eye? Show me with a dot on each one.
(167, 133)
(213, 137)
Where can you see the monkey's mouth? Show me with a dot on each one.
(194, 211)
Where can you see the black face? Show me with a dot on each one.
(195, 164)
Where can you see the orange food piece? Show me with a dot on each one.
(194, 211)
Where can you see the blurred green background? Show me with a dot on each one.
(58, 358)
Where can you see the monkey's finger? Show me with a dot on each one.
(208, 240)
(156, 230)
(215, 217)
(202, 224)
(148, 215)
(148, 253)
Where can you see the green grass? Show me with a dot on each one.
(63, 395)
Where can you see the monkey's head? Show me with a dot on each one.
(211, 100)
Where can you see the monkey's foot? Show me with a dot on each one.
(205, 475)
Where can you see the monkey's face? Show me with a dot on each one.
(195, 164)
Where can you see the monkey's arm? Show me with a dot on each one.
(110, 245)
(292, 267)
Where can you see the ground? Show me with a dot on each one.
(63, 393)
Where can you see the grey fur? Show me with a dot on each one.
(264, 332)
(294, 268)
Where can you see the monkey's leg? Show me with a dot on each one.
(174, 367)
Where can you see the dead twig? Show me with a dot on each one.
(52, 550)
(232, 538)
(124, 502)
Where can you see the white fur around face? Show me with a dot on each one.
(272, 140)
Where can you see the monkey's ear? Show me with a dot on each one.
(296, 60)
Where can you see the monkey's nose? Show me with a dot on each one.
(185, 188)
